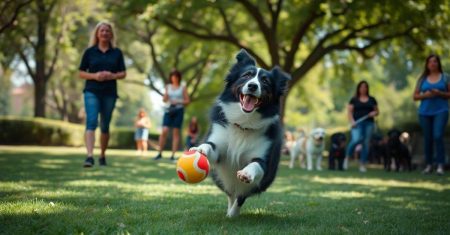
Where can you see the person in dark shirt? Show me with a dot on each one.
(433, 91)
(362, 109)
(101, 66)
(192, 133)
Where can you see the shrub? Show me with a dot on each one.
(39, 131)
(47, 132)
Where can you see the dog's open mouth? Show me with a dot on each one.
(249, 102)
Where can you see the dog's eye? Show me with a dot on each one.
(265, 81)
(247, 75)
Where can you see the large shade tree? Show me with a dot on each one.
(30, 40)
(296, 35)
(39, 36)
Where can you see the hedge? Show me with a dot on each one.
(48, 132)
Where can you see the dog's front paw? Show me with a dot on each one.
(205, 149)
(244, 177)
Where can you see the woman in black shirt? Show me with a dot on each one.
(102, 64)
(362, 109)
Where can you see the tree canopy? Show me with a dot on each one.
(327, 46)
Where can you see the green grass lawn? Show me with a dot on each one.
(45, 190)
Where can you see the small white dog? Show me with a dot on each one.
(311, 146)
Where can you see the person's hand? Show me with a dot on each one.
(353, 123)
(108, 75)
(429, 94)
(436, 92)
(373, 114)
(99, 76)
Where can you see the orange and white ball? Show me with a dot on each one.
(192, 167)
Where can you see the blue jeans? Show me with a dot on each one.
(433, 128)
(361, 134)
(95, 105)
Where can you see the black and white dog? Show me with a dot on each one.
(245, 138)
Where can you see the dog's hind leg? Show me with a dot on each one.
(236, 207)
(231, 200)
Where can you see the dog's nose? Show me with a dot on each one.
(252, 87)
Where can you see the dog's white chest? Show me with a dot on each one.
(244, 145)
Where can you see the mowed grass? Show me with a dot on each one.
(45, 190)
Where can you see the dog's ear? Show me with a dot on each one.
(280, 80)
(244, 59)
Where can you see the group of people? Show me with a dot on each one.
(141, 135)
(103, 64)
(432, 89)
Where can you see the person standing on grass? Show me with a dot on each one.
(177, 97)
(192, 133)
(142, 124)
(433, 91)
(361, 105)
(101, 66)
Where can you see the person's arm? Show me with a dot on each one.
(186, 99)
(421, 96)
(91, 76)
(443, 94)
(375, 111)
(116, 76)
(350, 114)
(165, 96)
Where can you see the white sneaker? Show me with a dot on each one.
(440, 169)
(427, 170)
(362, 168)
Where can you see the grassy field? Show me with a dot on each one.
(45, 190)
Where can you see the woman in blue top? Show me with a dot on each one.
(432, 89)
(176, 97)
(101, 65)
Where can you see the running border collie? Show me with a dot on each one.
(244, 140)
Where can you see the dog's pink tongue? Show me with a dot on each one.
(249, 103)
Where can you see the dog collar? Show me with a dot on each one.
(242, 128)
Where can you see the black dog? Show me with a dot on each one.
(337, 151)
(397, 150)
(377, 150)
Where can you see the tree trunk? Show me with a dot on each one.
(40, 88)
(40, 79)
